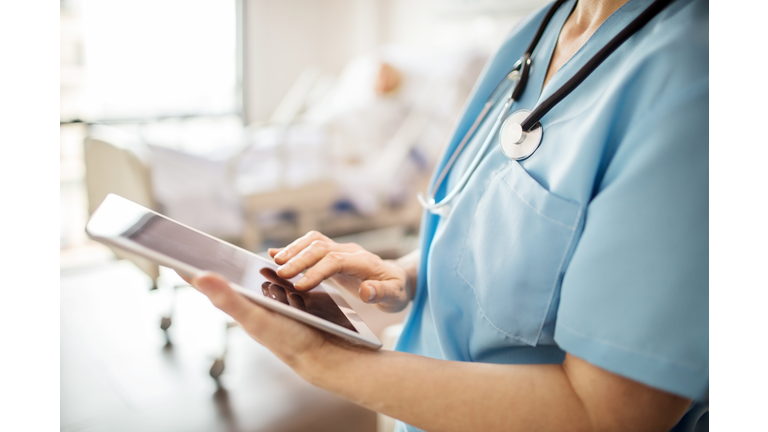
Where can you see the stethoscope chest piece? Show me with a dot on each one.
(515, 143)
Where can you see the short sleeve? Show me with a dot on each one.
(635, 296)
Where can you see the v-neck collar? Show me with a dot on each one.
(542, 54)
(500, 65)
(607, 30)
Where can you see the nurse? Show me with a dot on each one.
(564, 291)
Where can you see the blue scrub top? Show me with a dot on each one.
(597, 244)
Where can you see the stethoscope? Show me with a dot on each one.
(521, 132)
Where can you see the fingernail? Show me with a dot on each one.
(301, 281)
(281, 254)
(372, 295)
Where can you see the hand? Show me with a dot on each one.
(381, 282)
(289, 339)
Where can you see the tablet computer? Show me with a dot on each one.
(123, 224)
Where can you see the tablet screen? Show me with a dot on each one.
(178, 242)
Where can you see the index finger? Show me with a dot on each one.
(356, 264)
(299, 245)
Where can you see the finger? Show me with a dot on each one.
(274, 251)
(229, 301)
(311, 255)
(358, 264)
(298, 245)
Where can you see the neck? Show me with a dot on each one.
(590, 14)
(585, 19)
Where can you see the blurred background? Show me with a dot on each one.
(254, 121)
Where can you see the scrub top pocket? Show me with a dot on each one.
(516, 250)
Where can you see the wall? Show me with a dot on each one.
(283, 37)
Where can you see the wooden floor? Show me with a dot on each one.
(118, 374)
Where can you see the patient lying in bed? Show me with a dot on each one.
(383, 122)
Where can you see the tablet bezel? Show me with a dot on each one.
(107, 224)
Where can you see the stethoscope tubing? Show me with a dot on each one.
(533, 119)
(461, 145)
(543, 108)
(431, 205)
(523, 66)
(479, 119)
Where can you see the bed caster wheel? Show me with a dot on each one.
(165, 322)
(217, 369)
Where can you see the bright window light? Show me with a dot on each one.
(150, 58)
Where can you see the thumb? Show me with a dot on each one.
(222, 296)
(210, 284)
(381, 291)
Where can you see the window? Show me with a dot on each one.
(143, 59)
